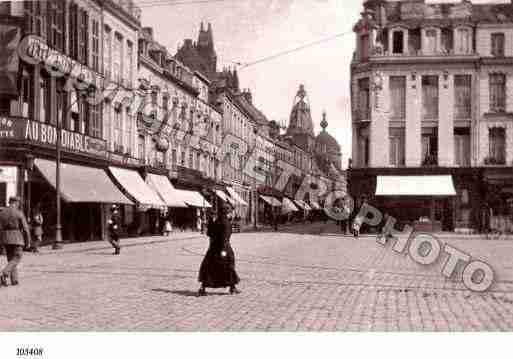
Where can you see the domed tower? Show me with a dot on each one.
(300, 128)
(326, 146)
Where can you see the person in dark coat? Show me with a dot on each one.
(218, 266)
(114, 228)
(37, 229)
(14, 235)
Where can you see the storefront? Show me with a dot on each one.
(430, 198)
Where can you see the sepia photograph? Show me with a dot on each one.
(254, 166)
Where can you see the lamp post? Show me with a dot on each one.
(57, 244)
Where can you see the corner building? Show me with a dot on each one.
(431, 98)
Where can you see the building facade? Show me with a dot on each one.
(430, 96)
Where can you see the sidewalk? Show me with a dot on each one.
(77, 247)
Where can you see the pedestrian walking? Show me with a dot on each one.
(37, 229)
(114, 229)
(167, 228)
(14, 236)
(218, 266)
(346, 214)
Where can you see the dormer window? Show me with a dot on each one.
(398, 42)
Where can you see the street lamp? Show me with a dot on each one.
(58, 225)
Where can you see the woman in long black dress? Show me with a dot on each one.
(218, 267)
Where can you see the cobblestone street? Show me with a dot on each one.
(289, 282)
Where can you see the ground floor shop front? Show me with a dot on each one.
(463, 200)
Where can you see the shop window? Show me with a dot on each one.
(430, 97)
(462, 96)
(397, 42)
(497, 44)
(497, 92)
(5, 106)
(497, 143)
(398, 97)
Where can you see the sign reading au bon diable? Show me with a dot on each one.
(46, 134)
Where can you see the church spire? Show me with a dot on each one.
(324, 122)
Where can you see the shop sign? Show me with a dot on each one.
(35, 50)
(45, 134)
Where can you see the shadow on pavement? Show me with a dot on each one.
(185, 293)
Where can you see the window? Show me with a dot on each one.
(26, 95)
(182, 158)
(141, 147)
(498, 45)
(497, 143)
(464, 45)
(130, 62)
(198, 161)
(462, 147)
(95, 120)
(56, 24)
(95, 53)
(62, 102)
(429, 146)
(173, 157)
(431, 41)
(128, 131)
(398, 97)
(84, 115)
(118, 130)
(116, 58)
(39, 18)
(191, 158)
(364, 47)
(83, 37)
(364, 99)
(462, 96)
(397, 42)
(397, 147)
(497, 92)
(73, 31)
(44, 99)
(364, 151)
(107, 52)
(430, 97)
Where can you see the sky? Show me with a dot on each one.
(250, 30)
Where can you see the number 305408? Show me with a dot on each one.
(29, 351)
